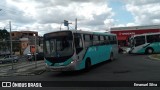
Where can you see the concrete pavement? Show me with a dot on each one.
(154, 56)
(22, 68)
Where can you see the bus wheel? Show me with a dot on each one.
(87, 64)
(149, 50)
(111, 57)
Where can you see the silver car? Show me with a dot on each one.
(9, 58)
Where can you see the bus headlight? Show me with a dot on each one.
(74, 61)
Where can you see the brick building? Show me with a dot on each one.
(25, 39)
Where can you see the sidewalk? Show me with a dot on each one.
(23, 69)
(125, 50)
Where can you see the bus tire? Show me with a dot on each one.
(111, 57)
(87, 64)
(149, 51)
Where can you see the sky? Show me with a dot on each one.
(92, 15)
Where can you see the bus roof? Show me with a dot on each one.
(146, 34)
(85, 32)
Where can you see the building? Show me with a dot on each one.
(25, 39)
(123, 33)
(16, 35)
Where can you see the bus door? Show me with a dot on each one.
(78, 44)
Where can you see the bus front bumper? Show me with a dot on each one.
(70, 67)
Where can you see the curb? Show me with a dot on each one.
(151, 57)
(24, 70)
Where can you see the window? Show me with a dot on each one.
(78, 42)
(87, 37)
(12, 34)
(87, 40)
(30, 34)
(112, 39)
(48, 44)
(95, 40)
(101, 39)
(115, 39)
(139, 40)
(107, 40)
(153, 38)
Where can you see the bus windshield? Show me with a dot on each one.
(59, 46)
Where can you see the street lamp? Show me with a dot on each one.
(66, 23)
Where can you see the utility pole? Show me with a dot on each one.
(35, 43)
(76, 24)
(68, 27)
(11, 42)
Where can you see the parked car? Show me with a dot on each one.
(39, 56)
(9, 58)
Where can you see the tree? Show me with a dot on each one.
(4, 34)
(4, 39)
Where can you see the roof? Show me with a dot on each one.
(147, 34)
(136, 28)
(86, 32)
(24, 31)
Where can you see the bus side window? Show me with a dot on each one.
(106, 39)
(139, 40)
(111, 39)
(115, 40)
(78, 42)
(87, 40)
(150, 38)
(95, 40)
(101, 40)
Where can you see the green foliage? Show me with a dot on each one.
(4, 39)
(4, 34)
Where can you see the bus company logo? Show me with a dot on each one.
(6, 84)
(120, 33)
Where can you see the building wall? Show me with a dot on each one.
(24, 34)
(24, 44)
(123, 34)
(29, 35)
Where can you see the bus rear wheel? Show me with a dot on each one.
(149, 50)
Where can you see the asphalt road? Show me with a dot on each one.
(125, 68)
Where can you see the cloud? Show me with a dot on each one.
(48, 15)
(14, 13)
(145, 12)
